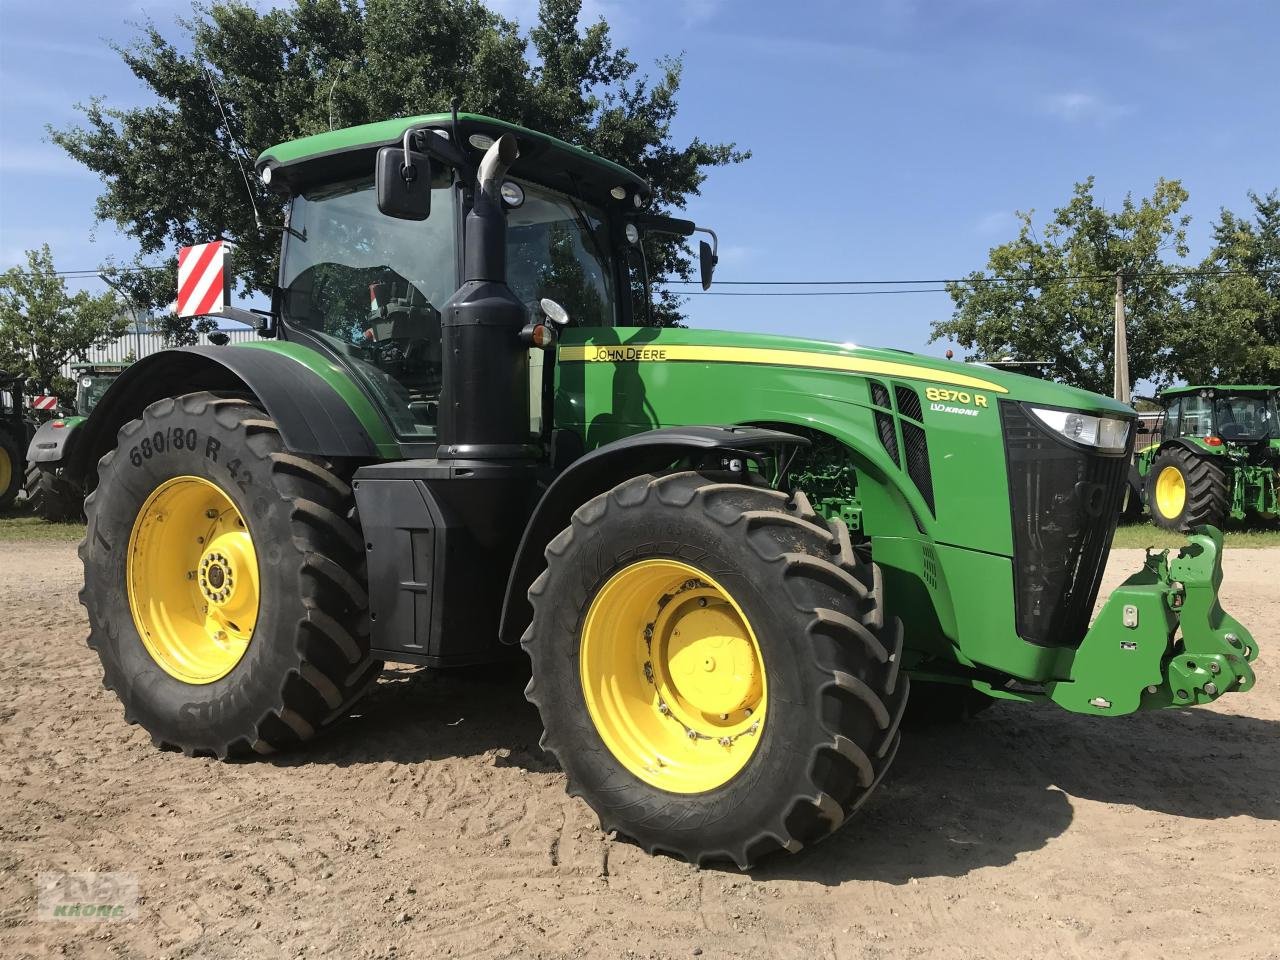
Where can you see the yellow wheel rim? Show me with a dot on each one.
(192, 580)
(6, 470)
(673, 676)
(1171, 492)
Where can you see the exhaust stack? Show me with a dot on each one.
(484, 410)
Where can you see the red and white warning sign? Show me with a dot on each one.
(202, 279)
(44, 402)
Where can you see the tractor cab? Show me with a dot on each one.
(1222, 417)
(92, 381)
(365, 277)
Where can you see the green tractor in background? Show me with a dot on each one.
(50, 494)
(15, 432)
(728, 557)
(1217, 457)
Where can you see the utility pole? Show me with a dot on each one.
(1121, 382)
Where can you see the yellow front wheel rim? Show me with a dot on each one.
(1171, 492)
(673, 676)
(192, 580)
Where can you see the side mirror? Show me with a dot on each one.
(707, 260)
(402, 177)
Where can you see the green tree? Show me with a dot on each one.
(1230, 329)
(1052, 297)
(170, 167)
(42, 326)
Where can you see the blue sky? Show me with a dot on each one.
(892, 139)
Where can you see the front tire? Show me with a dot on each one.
(1185, 490)
(224, 581)
(713, 667)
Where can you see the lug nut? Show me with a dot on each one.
(1232, 639)
(1211, 688)
(1214, 668)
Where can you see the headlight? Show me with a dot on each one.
(1103, 433)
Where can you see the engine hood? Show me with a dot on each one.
(731, 346)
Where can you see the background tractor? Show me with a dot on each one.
(15, 431)
(1217, 457)
(50, 494)
(727, 556)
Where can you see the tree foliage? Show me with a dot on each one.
(1229, 331)
(1058, 303)
(170, 167)
(1053, 297)
(42, 326)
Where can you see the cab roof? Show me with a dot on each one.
(1219, 388)
(349, 152)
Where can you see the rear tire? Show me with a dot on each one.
(10, 469)
(52, 497)
(1185, 490)
(832, 696)
(307, 656)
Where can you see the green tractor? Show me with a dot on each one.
(1217, 457)
(50, 494)
(728, 557)
(15, 431)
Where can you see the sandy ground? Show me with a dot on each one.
(431, 826)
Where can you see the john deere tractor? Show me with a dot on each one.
(1218, 457)
(50, 494)
(728, 557)
(15, 431)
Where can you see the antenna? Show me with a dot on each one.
(334, 86)
(226, 124)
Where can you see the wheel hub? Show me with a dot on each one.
(1171, 492)
(673, 676)
(193, 580)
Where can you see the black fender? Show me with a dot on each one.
(603, 469)
(311, 415)
(52, 441)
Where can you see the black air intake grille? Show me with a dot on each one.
(917, 452)
(1064, 501)
(908, 403)
(888, 437)
(879, 395)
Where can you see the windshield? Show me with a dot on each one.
(1246, 417)
(90, 391)
(558, 248)
(371, 286)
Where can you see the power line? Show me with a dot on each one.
(1165, 274)
(807, 293)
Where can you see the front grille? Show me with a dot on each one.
(1064, 501)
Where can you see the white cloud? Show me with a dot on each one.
(696, 12)
(39, 160)
(996, 223)
(1078, 106)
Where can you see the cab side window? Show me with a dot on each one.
(1197, 417)
(1173, 420)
